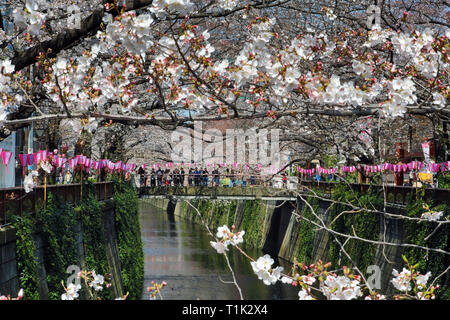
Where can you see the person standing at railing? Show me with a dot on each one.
(141, 173)
(68, 177)
(399, 176)
(216, 177)
(190, 176)
(284, 179)
(180, 179)
(232, 178)
(199, 177)
(196, 176)
(205, 177)
(168, 177)
(153, 178)
(318, 178)
(176, 177)
(240, 180)
(226, 178)
(252, 180)
(59, 178)
(244, 180)
(182, 176)
(159, 177)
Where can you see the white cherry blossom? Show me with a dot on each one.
(46, 166)
(432, 216)
(340, 288)
(263, 269)
(227, 4)
(439, 99)
(422, 280)
(304, 295)
(219, 246)
(28, 182)
(7, 67)
(97, 281)
(402, 280)
(71, 292)
(222, 232)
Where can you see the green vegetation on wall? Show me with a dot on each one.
(58, 222)
(129, 239)
(443, 180)
(25, 255)
(306, 235)
(367, 225)
(214, 213)
(91, 215)
(415, 233)
(364, 223)
(253, 222)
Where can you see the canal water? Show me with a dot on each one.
(180, 254)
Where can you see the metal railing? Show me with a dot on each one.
(249, 179)
(394, 194)
(15, 201)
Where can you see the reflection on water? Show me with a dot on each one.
(180, 254)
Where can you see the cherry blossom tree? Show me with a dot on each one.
(314, 68)
(167, 63)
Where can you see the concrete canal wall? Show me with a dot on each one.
(9, 278)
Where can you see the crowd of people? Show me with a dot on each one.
(226, 177)
(195, 177)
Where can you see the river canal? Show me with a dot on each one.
(180, 254)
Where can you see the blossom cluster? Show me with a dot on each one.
(410, 280)
(181, 69)
(181, 66)
(431, 215)
(8, 100)
(8, 297)
(163, 8)
(155, 289)
(341, 287)
(263, 269)
(31, 18)
(29, 181)
(91, 279)
(71, 292)
(227, 237)
(46, 166)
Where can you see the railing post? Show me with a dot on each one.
(404, 194)
(81, 184)
(45, 190)
(21, 201)
(3, 208)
